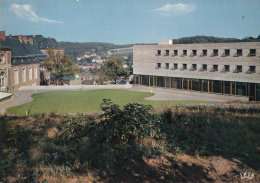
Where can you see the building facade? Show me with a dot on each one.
(20, 58)
(5, 65)
(223, 68)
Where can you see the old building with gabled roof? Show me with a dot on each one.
(20, 59)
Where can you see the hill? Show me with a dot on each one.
(105, 50)
(79, 49)
(211, 39)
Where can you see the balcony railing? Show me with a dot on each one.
(237, 71)
(224, 70)
(213, 69)
(214, 54)
(248, 71)
(202, 69)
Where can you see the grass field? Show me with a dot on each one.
(84, 101)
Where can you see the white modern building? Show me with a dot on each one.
(224, 68)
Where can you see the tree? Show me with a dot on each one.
(114, 69)
(60, 65)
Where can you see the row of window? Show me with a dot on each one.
(203, 85)
(239, 52)
(16, 74)
(251, 69)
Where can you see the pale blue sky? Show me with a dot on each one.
(130, 21)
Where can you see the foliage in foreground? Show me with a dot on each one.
(51, 145)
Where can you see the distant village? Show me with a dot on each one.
(21, 57)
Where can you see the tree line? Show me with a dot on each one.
(211, 39)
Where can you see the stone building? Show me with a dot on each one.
(5, 65)
(20, 60)
(218, 68)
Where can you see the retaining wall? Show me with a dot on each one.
(76, 87)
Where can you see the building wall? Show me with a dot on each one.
(27, 82)
(5, 64)
(154, 66)
(145, 61)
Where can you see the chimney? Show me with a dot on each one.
(30, 39)
(25, 39)
(20, 38)
(10, 35)
(2, 35)
(49, 37)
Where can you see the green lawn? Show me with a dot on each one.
(84, 101)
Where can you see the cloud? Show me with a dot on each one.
(26, 12)
(175, 9)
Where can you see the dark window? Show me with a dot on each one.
(239, 68)
(158, 52)
(184, 52)
(215, 52)
(194, 52)
(175, 66)
(204, 52)
(227, 52)
(167, 52)
(252, 52)
(217, 86)
(194, 66)
(241, 88)
(144, 80)
(160, 81)
(166, 65)
(226, 68)
(204, 66)
(252, 69)
(239, 52)
(175, 52)
(215, 67)
(196, 85)
(184, 66)
(158, 65)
